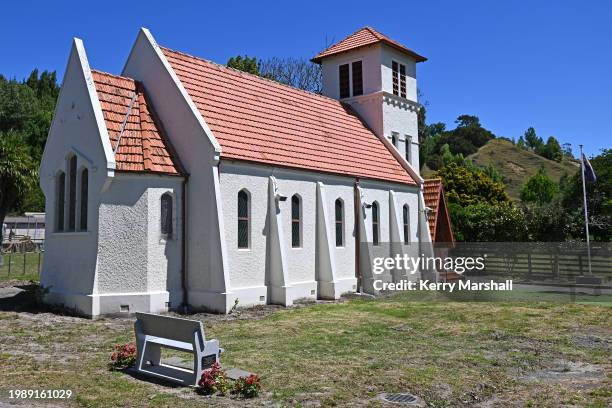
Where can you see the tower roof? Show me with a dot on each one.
(361, 38)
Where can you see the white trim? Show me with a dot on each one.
(95, 103)
(194, 110)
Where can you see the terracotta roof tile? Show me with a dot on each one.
(361, 38)
(432, 190)
(142, 147)
(255, 119)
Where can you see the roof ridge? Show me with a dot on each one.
(112, 75)
(248, 74)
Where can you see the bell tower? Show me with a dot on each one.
(377, 77)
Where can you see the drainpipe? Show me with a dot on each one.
(184, 308)
(357, 209)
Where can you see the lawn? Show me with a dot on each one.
(451, 354)
(21, 266)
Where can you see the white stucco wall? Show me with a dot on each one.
(69, 262)
(370, 57)
(199, 153)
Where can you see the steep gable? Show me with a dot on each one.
(259, 120)
(142, 147)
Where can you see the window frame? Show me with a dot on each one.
(246, 219)
(406, 223)
(72, 193)
(167, 227)
(296, 199)
(398, 78)
(60, 201)
(375, 224)
(408, 148)
(339, 222)
(83, 198)
(351, 85)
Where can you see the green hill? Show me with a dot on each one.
(516, 165)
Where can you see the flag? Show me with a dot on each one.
(589, 173)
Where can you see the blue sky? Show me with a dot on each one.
(515, 64)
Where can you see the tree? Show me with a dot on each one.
(532, 140)
(521, 142)
(465, 186)
(566, 148)
(296, 72)
(483, 222)
(599, 198)
(539, 189)
(17, 173)
(245, 64)
(551, 150)
(467, 120)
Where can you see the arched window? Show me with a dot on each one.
(84, 188)
(166, 215)
(72, 177)
(296, 221)
(61, 201)
(243, 219)
(339, 213)
(375, 224)
(406, 224)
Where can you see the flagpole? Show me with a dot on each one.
(586, 213)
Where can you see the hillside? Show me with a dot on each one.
(516, 165)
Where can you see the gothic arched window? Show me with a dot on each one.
(243, 219)
(83, 198)
(61, 201)
(406, 223)
(339, 218)
(296, 221)
(72, 193)
(375, 224)
(166, 215)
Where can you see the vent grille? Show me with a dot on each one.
(407, 399)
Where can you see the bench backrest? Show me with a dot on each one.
(173, 328)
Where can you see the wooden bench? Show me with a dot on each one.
(155, 331)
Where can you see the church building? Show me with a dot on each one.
(183, 183)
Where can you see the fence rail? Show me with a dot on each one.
(21, 265)
(542, 263)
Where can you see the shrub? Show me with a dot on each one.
(124, 356)
(248, 387)
(213, 380)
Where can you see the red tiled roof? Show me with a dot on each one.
(432, 190)
(259, 120)
(361, 38)
(142, 147)
(433, 193)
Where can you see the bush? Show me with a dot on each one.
(248, 387)
(213, 380)
(124, 356)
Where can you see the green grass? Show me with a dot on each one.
(516, 165)
(18, 270)
(451, 354)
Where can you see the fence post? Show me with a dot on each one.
(9, 268)
(38, 269)
(24, 263)
(580, 264)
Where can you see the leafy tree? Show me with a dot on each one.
(549, 222)
(521, 142)
(466, 186)
(17, 172)
(246, 64)
(566, 149)
(483, 222)
(551, 150)
(539, 188)
(532, 140)
(467, 120)
(599, 198)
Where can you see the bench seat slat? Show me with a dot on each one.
(175, 344)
